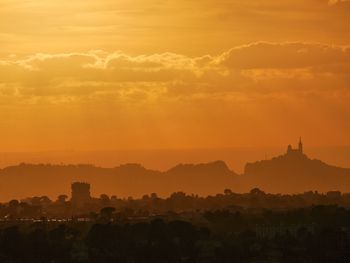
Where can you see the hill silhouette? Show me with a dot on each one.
(125, 180)
(292, 172)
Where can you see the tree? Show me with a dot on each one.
(104, 199)
(257, 191)
(154, 196)
(13, 203)
(228, 192)
(45, 201)
(62, 199)
(14, 208)
(107, 212)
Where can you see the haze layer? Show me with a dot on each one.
(92, 75)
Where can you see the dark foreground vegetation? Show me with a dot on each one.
(151, 204)
(309, 234)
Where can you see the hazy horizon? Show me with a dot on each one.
(164, 159)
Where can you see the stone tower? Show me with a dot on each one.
(80, 195)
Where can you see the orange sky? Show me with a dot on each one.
(136, 74)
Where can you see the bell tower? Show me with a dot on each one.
(300, 146)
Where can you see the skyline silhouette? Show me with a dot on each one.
(291, 172)
(163, 159)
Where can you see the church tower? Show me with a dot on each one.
(300, 146)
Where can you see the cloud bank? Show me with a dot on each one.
(274, 89)
(239, 70)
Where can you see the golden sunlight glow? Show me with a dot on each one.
(126, 74)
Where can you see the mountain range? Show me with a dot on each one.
(292, 172)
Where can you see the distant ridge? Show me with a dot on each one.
(292, 172)
(217, 166)
(296, 172)
(125, 180)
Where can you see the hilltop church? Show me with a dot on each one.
(298, 151)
